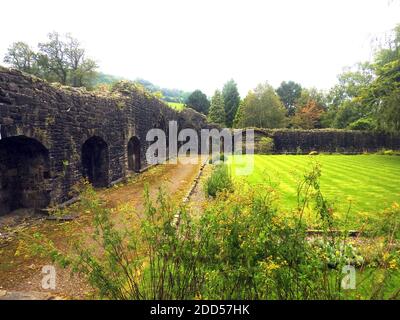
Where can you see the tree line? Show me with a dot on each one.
(60, 59)
(366, 97)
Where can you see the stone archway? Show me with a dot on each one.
(24, 174)
(95, 161)
(134, 163)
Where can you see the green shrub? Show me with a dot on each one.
(217, 159)
(364, 124)
(223, 158)
(385, 222)
(219, 180)
(266, 145)
(388, 152)
(158, 261)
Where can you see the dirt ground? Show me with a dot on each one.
(19, 273)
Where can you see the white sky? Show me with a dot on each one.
(190, 44)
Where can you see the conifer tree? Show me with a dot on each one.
(231, 101)
(217, 109)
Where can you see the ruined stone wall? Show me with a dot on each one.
(63, 119)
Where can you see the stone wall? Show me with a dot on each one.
(59, 121)
(328, 140)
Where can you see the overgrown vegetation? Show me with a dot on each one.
(242, 247)
(266, 145)
(220, 180)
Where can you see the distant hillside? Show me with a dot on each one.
(103, 78)
(169, 95)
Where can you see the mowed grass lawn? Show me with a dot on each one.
(370, 182)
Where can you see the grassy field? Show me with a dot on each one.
(370, 182)
(176, 105)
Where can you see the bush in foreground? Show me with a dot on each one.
(242, 247)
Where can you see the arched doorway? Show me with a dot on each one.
(134, 154)
(24, 174)
(95, 161)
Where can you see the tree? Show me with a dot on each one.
(20, 56)
(65, 59)
(217, 109)
(82, 70)
(262, 108)
(289, 92)
(231, 101)
(383, 95)
(342, 100)
(365, 124)
(311, 94)
(60, 59)
(351, 83)
(239, 116)
(308, 117)
(53, 57)
(198, 101)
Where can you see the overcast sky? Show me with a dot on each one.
(190, 44)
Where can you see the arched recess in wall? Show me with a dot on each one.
(95, 161)
(24, 174)
(134, 154)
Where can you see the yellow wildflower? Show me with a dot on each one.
(385, 256)
(393, 264)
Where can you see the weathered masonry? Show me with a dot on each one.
(51, 138)
(326, 140)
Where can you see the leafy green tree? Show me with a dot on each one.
(347, 113)
(20, 56)
(262, 108)
(198, 101)
(66, 61)
(82, 70)
(53, 57)
(351, 83)
(383, 95)
(217, 109)
(365, 124)
(289, 92)
(231, 101)
(389, 52)
(343, 103)
(60, 59)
